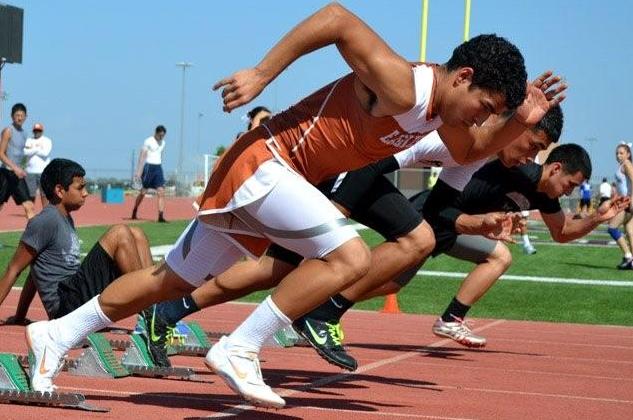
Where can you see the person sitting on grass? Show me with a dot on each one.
(50, 246)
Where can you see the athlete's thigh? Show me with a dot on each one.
(473, 248)
(201, 253)
(386, 210)
(295, 215)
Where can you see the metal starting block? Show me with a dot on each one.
(138, 361)
(15, 389)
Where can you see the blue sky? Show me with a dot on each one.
(102, 75)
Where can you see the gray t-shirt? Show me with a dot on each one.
(53, 237)
(15, 148)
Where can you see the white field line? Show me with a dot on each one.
(536, 279)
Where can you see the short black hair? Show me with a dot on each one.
(18, 107)
(160, 129)
(253, 112)
(573, 158)
(497, 64)
(59, 172)
(551, 124)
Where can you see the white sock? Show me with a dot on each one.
(71, 329)
(628, 255)
(526, 240)
(265, 320)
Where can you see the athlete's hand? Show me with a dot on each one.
(611, 208)
(545, 92)
(242, 87)
(19, 172)
(498, 226)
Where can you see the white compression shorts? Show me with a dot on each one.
(294, 214)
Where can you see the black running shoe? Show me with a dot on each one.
(134, 215)
(325, 337)
(155, 334)
(626, 264)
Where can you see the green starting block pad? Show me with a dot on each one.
(138, 361)
(15, 389)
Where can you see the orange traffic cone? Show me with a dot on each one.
(391, 304)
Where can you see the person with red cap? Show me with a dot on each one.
(37, 151)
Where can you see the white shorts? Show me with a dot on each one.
(294, 214)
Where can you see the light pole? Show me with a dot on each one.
(200, 115)
(184, 65)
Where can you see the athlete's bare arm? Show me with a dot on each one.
(470, 144)
(23, 256)
(564, 228)
(376, 65)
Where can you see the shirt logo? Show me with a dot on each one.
(401, 140)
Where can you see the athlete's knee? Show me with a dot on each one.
(501, 256)
(160, 192)
(350, 261)
(118, 236)
(418, 243)
(139, 236)
(615, 233)
(391, 287)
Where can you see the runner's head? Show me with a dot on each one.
(527, 145)
(485, 75)
(63, 183)
(623, 152)
(18, 114)
(258, 115)
(566, 167)
(159, 132)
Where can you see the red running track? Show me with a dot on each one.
(530, 370)
(94, 212)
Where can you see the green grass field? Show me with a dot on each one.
(507, 299)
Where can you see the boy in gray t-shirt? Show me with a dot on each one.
(51, 247)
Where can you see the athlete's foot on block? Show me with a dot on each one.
(45, 356)
(241, 371)
(458, 331)
(326, 337)
(626, 264)
(156, 334)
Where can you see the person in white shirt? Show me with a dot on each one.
(605, 191)
(150, 171)
(37, 150)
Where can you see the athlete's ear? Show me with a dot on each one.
(59, 191)
(463, 75)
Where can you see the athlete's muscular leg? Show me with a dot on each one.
(119, 242)
(240, 280)
(315, 280)
(484, 275)
(390, 259)
(160, 191)
(135, 291)
(142, 246)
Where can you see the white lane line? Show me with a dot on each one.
(537, 279)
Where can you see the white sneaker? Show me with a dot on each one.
(45, 357)
(241, 371)
(458, 331)
(529, 250)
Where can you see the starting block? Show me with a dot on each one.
(139, 362)
(15, 389)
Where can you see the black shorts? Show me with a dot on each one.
(603, 199)
(585, 202)
(12, 186)
(380, 206)
(152, 176)
(96, 272)
(444, 238)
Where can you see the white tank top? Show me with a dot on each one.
(623, 182)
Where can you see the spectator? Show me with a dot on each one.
(37, 151)
(605, 191)
(150, 171)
